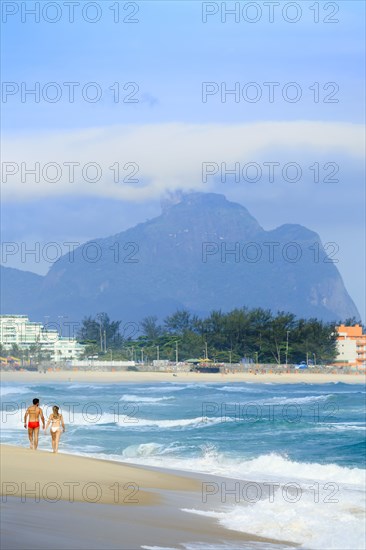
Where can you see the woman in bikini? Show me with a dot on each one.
(57, 421)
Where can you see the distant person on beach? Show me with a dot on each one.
(57, 421)
(34, 412)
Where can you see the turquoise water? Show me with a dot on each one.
(307, 435)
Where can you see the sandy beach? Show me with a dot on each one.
(65, 501)
(142, 377)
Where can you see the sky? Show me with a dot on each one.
(134, 100)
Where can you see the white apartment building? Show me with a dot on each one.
(346, 351)
(67, 349)
(19, 330)
(351, 346)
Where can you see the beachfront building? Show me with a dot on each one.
(351, 346)
(67, 349)
(19, 331)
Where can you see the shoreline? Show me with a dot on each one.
(148, 511)
(148, 377)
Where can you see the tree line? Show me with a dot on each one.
(256, 335)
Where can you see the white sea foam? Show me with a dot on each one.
(314, 525)
(139, 399)
(296, 400)
(197, 422)
(287, 401)
(13, 390)
(82, 387)
(150, 449)
(12, 417)
(342, 427)
(283, 468)
(92, 417)
(165, 388)
(236, 389)
(267, 467)
(142, 450)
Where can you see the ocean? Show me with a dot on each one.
(304, 442)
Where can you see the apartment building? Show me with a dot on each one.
(20, 331)
(351, 346)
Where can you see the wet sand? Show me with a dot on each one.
(47, 502)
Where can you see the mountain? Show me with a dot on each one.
(202, 253)
(17, 288)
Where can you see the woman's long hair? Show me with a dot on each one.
(55, 409)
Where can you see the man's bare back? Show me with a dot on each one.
(33, 414)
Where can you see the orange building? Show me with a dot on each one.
(351, 346)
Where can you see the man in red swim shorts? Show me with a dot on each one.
(34, 412)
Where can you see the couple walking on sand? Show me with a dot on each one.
(33, 416)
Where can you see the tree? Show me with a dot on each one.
(256, 334)
(312, 337)
(100, 333)
(89, 330)
(274, 343)
(36, 354)
(179, 322)
(15, 350)
(150, 328)
(351, 322)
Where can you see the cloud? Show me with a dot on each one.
(156, 158)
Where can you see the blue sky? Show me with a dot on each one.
(169, 131)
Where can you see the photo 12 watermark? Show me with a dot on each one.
(69, 92)
(253, 252)
(118, 12)
(50, 252)
(270, 92)
(270, 172)
(253, 411)
(270, 12)
(75, 413)
(251, 492)
(15, 329)
(70, 171)
(71, 491)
